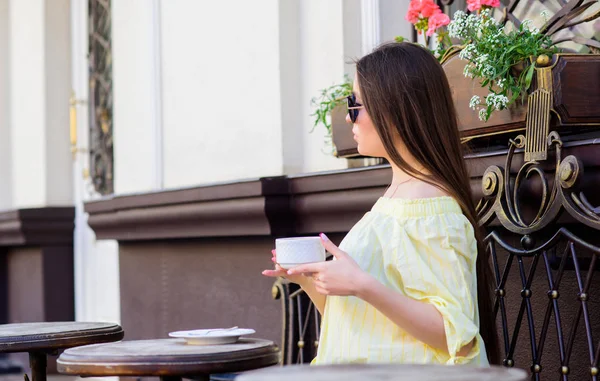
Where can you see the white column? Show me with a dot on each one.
(81, 236)
(322, 64)
(221, 90)
(352, 34)
(392, 22)
(5, 149)
(137, 114)
(157, 126)
(27, 108)
(40, 84)
(371, 32)
(292, 124)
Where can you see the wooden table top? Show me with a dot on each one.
(167, 357)
(49, 336)
(384, 372)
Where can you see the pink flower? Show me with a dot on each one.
(429, 8)
(436, 21)
(412, 17)
(491, 3)
(473, 5)
(414, 9)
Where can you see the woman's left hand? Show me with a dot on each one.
(341, 277)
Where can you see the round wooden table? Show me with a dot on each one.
(170, 359)
(384, 372)
(41, 339)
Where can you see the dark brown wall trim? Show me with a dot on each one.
(245, 208)
(36, 265)
(38, 226)
(282, 206)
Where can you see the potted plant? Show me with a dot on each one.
(493, 65)
(330, 112)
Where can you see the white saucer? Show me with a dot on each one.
(214, 336)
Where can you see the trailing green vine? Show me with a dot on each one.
(327, 100)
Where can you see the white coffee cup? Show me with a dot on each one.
(292, 252)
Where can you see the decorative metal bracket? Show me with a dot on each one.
(501, 198)
(539, 106)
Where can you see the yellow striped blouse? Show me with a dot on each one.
(424, 249)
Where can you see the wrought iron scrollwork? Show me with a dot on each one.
(501, 195)
(560, 191)
(301, 323)
(100, 97)
(571, 266)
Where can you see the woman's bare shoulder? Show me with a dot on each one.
(420, 189)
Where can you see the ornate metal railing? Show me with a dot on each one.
(100, 97)
(301, 323)
(572, 266)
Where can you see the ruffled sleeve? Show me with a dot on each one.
(433, 260)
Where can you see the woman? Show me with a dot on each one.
(406, 284)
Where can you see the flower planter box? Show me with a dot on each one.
(341, 133)
(575, 83)
(575, 89)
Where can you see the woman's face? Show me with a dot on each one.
(365, 134)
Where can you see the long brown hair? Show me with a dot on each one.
(406, 93)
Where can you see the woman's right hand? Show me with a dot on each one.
(281, 272)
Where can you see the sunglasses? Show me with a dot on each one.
(353, 107)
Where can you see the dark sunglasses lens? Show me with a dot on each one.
(352, 113)
(351, 100)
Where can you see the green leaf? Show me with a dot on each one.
(529, 76)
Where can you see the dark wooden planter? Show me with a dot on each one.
(573, 81)
(343, 138)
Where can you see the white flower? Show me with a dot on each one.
(487, 70)
(498, 101)
(474, 21)
(467, 71)
(485, 13)
(501, 82)
(489, 21)
(502, 102)
(467, 52)
(545, 14)
(459, 15)
(535, 31)
(481, 65)
(527, 24)
(475, 100)
(457, 27)
(462, 25)
(482, 114)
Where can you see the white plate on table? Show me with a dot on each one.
(213, 336)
